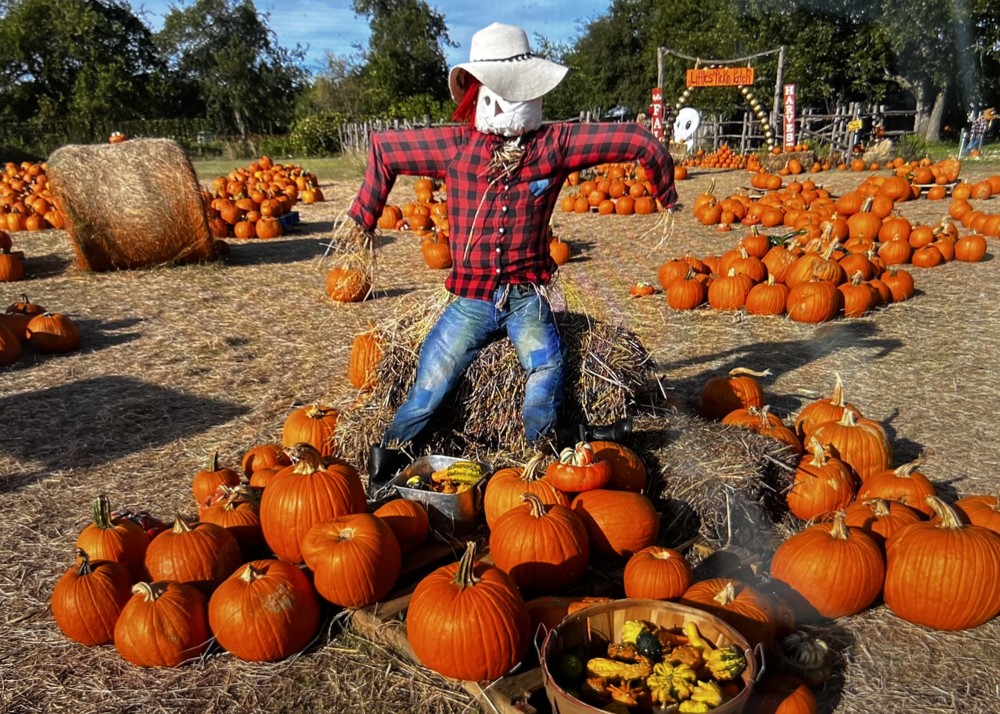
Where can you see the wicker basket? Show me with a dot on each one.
(596, 626)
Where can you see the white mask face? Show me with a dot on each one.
(495, 115)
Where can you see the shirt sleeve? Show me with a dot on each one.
(415, 152)
(599, 143)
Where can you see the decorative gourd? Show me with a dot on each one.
(904, 484)
(306, 493)
(543, 547)
(578, 470)
(88, 598)
(735, 602)
(628, 472)
(202, 554)
(944, 574)
(117, 539)
(859, 442)
(355, 559)
(265, 611)
(504, 489)
(880, 518)
(468, 621)
(738, 390)
(657, 573)
(314, 424)
(408, 520)
(822, 410)
(53, 332)
(836, 570)
(821, 486)
(619, 523)
(163, 625)
(207, 481)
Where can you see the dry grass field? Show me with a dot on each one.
(179, 362)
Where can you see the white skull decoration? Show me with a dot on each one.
(496, 115)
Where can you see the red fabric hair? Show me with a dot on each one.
(466, 110)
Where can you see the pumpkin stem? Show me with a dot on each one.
(765, 416)
(906, 470)
(837, 399)
(252, 573)
(180, 525)
(848, 419)
(213, 462)
(85, 567)
(465, 577)
(150, 591)
(743, 370)
(818, 452)
(949, 519)
(531, 472)
(839, 529)
(879, 506)
(535, 503)
(726, 595)
(102, 512)
(306, 458)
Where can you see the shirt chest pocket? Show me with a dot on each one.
(539, 186)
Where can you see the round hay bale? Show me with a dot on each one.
(130, 205)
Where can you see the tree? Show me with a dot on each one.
(405, 55)
(243, 77)
(89, 60)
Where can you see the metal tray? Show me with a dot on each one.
(449, 513)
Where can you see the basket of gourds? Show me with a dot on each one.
(450, 488)
(646, 656)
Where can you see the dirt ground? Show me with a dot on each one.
(179, 362)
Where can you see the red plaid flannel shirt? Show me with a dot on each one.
(499, 228)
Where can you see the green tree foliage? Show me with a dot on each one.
(76, 59)
(225, 49)
(405, 55)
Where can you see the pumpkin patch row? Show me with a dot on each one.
(25, 323)
(248, 201)
(25, 200)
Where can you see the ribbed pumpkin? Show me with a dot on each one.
(578, 470)
(729, 291)
(836, 570)
(880, 518)
(738, 390)
(265, 611)
(117, 539)
(859, 442)
(735, 602)
(781, 694)
(202, 554)
(355, 559)
(628, 472)
(904, 484)
(504, 489)
(263, 456)
(163, 625)
(306, 493)
(813, 301)
(88, 598)
(468, 621)
(239, 513)
(687, 292)
(762, 421)
(365, 354)
(543, 547)
(10, 346)
(206, 482)
(619, 523)
(408, 519)
(53, 332)
(657, 573)
(822, 410)
(821, 486)
(980, 511)
(767, 298)
(313, 424)
(944, 574)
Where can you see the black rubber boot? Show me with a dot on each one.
(619, 432)
(383, 464)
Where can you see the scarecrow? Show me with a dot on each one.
(503, 169)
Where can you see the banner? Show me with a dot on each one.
(656, 116)
(720, 77)
(788, 120)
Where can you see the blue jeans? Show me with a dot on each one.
(466, 326)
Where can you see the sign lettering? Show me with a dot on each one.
(720, 77)
(788, 118)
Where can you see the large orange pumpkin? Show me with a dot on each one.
(408, 519)
(619, 523)
(739, 604)
(88, 598)
(628, 472)
(163, 624)
(200, 554)
(314, 424)
(504, 489)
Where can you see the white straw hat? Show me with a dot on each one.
(501, 58)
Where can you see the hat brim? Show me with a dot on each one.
(519, 80)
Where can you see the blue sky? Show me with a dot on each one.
(322, 26)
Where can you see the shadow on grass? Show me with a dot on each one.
(95, 421)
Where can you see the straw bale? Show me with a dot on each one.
(608, 371)
(130, 205)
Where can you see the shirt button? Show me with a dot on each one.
(503, 209)
(498, 271)
(498, 250)
(506, 187)
(501, 231)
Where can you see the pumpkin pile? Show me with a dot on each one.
(25, 200)
(617, 188)
(427, 217)
(25, 323)
(248, 201)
